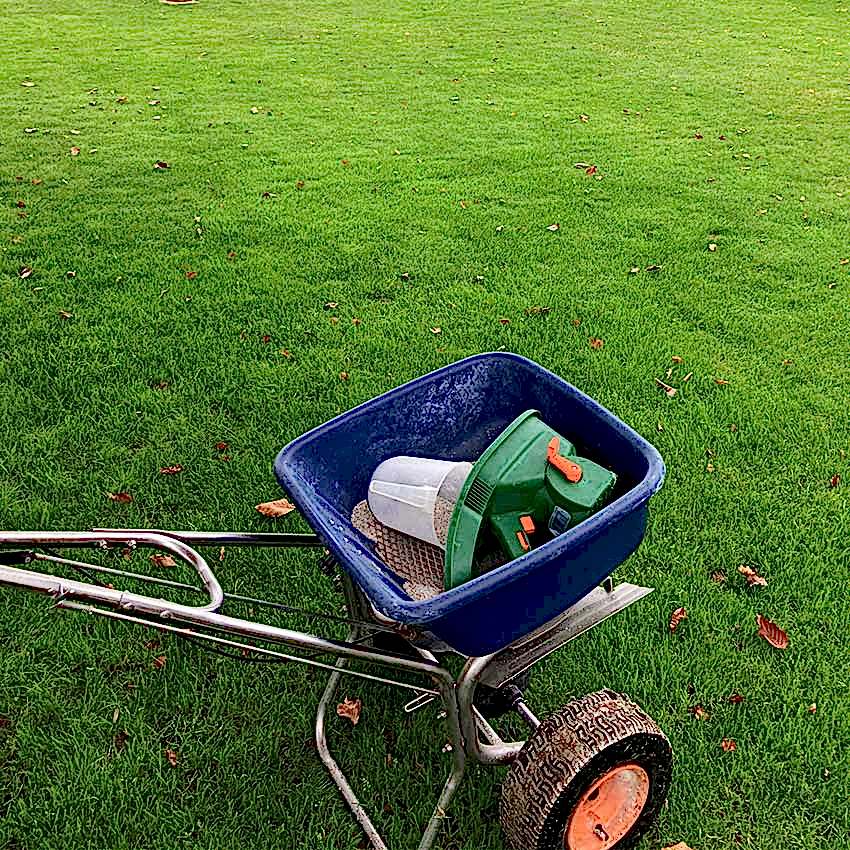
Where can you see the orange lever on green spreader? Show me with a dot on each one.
(571, 470)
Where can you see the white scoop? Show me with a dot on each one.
(404, 490)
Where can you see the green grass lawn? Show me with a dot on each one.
(405, 161)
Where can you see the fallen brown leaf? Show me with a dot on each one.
(299, 184)
(676, 617)
(343, 376)
(712, 246)
(813, 708)
(64, 314)
(596, 343)
(591, 169)
(699, 712)
(697, 136)
(718, 576)
(576, 323)
(583, 118)
(677, 360)
(350, 708)
(175, 469)
(171, 757)
(653, 268)
(436, 331)
(75, 151)
(190, 275)
(159, 662)
(728, 745)
(752, 576)
(835, 480)
(20, 204)
(736, 699)
(124, 498)
(221, 446)
(554, 227)
(160, 560)
(120, 739)
(161, 165)
(279, 507)
(721, 381)
(670, 391)
(775, 636)
(25, 272)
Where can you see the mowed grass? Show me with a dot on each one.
(405, 161)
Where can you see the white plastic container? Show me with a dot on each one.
(404, 493)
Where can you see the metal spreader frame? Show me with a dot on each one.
(471, 736)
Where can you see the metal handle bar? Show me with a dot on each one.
(228, 538)
(102, 539)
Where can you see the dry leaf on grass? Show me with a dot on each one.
(554, 227)
(436, 331)
(834, 481)
(221, 446)
(279, 507)
(752, 577)
(350, 708)
(596, 343)
(670, 391)
(160, 560)
(161, 165)
(174, 469)
(677, 360)
(736, 699)
(676, 617)
(171, 756)
(159, 662)
(25, 272)
(775, 636)
(718, 576)
(728, 745)
(64, 314)
(120, 739)
(699, 712)
(124, 498)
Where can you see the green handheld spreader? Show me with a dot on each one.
(527, 486)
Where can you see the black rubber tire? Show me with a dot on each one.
(567, 753)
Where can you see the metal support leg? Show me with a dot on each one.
(449, 788)
(333, 768)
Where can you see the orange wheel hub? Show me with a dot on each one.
(608, 809)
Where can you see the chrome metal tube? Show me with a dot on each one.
(229, 538)
(81, 539)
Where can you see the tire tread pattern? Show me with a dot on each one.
(560, 748)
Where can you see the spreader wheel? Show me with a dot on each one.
(593, 776)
